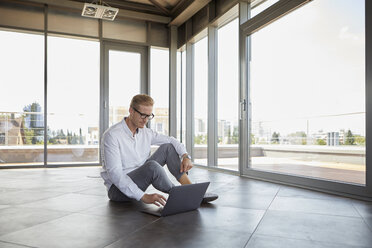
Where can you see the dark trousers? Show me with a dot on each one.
(152, 172)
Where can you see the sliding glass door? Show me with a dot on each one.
(73, 100)
(305, 117)
(125, 75)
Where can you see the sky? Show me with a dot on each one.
(307, 70)
(309, 65)
(305, 66)
(73, 78)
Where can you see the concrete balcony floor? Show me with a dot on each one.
(335, 171)
(68, 207)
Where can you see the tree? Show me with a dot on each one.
(74, 139)
(69, 137)
(29, 134)
(298, 138)
(275, 138)
(350, 140)
(81, 140)
(253, 139)
(200, 139)
(235, 136)
(360, 140)
(34, 122)
(321, 142)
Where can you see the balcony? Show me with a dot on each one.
(343, 163)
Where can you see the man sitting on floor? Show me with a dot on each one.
(128, 169)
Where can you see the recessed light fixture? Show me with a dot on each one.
(99, 11)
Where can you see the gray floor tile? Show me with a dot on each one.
(4, 190)
(318, 206)
(368, 220)
(217, 217)
(305, 193)
(25, 196)
(100, 190)
(261, 241)
(118, 209)
(69, 202)
(15, 218)
(241, 199)
(323, 228)
(11, 245)
(163, 235)
(251, 186)
(76, 230)
(305, 219)
(363, 208)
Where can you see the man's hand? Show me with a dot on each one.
(154, 199)
(186, 164)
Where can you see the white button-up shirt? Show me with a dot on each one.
(122, 153)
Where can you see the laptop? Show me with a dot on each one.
(181, 199)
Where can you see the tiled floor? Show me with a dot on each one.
(68, 207)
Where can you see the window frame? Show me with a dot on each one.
(250, 26)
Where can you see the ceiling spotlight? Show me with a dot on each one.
(99, 11)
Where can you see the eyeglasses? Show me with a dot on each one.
(144, 116)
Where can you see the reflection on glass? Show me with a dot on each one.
(308, 93)
(124, 83)
(228, 96)
(160, 90)
(73, 100)
(22, 99)
(200, 101)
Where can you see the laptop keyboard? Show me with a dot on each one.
(159, 210)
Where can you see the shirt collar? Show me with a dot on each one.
(126, 128)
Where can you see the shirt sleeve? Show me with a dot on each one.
(114, 169)
(159, 139)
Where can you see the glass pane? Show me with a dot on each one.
(183, 104)
(124, 83)
(200, 101)
(228, 96)
(160, 90)
(73, 100)
(22, 99)
(179, 94)
(307, 93)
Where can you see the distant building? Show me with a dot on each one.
(11, 130)
(34, 117)
(333, 139)
(93, 136)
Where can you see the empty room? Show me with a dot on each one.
(185, 123)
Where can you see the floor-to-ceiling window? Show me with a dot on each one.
(73, 100)
(183, 103)
(159, 89)
(181, 96)
(21, 98)
(228, 96)
(307, 93)
(200, 101)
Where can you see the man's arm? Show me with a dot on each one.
(113, 166)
